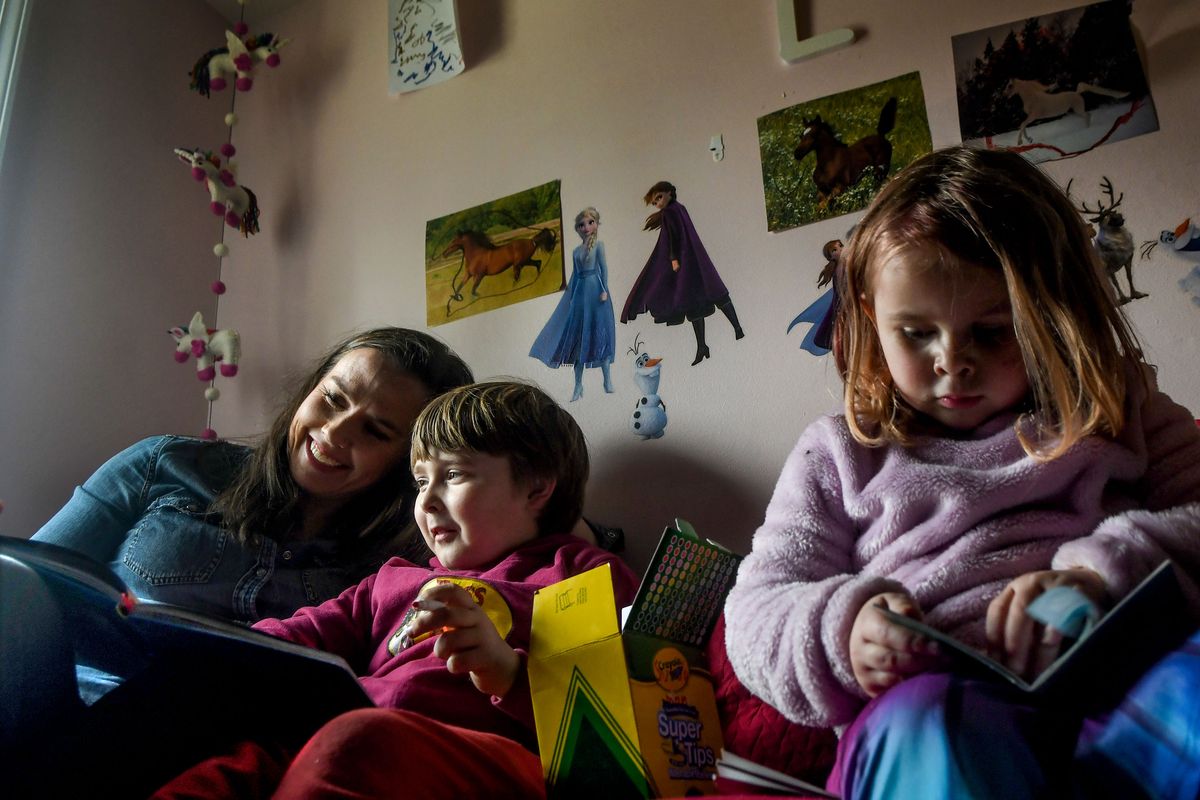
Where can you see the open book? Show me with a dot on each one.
(1098, 667)
(743, 770)
(113, 632)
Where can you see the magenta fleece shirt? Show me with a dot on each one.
(359, 623)
(951, 521)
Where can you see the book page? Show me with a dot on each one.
(735, 768)
(1105, 658)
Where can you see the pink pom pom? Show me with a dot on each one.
(228, 150)
(217, 84)
(233, 220)
(217, 208)
(227, 178)
(240, 28)
(218, 287)
(243, 62)
(273, 60)
(198, 347)
(206, 374)
(198, 173)
(229, 370)
(181, 356)
(208, 433)
(244, 84)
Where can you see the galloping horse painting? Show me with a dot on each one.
(476, 259)
(829, 156)
(840, 166)
(1054, 86)
(481, 257)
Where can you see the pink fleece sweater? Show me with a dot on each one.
(951, 521)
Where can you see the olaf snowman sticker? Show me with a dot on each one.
(649, 417)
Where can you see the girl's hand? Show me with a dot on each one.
(883, 653)
(1017, 640)
(604, 297)
(469, 642)
(675, 265)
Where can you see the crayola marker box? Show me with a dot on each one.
(631, 712)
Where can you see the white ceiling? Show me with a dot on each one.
(231, 10)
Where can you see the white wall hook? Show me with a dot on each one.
(716, 146)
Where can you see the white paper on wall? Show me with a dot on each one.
(424, 44)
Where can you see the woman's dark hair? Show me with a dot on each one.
(264, 498)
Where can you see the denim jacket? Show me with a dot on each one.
(144, 514)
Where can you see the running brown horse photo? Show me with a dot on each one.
(482, 257)
(840, 166)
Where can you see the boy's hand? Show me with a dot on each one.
(883, 653)
(469, 642)
(1017, 640)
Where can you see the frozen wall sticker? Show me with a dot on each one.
(494, 254)
(680, 281)
(1053, 86)
(1182, 244)
(582, 331)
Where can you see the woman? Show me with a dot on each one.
(242, 533)
(245, 533)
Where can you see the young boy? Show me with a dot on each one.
(500, 470)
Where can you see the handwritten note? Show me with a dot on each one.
(425, 47)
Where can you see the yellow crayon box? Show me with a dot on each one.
(630, 712)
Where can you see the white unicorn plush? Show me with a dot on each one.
(238, 58)
(209, 346)
(236, 203)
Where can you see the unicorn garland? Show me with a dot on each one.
(238, 58)
(210, 346)
(236, 203)
(219, 350)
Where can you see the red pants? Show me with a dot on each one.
(373, 753)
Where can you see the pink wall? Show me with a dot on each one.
(610, 97)
(105, 240)
(605, 96)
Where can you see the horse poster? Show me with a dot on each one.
(493, 255)
(830, 156)
(1053, 86)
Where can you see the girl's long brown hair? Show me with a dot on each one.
(993, 209)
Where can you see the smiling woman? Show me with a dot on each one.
(322, 500)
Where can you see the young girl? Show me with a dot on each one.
(1001, 436)
(679, 280)
(581, 331)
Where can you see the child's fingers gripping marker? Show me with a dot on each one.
(409, 633)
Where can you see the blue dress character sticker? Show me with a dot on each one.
(822, 313)
(582, 330)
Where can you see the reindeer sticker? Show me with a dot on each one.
(1113, 241)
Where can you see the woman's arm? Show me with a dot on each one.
(101, 512)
